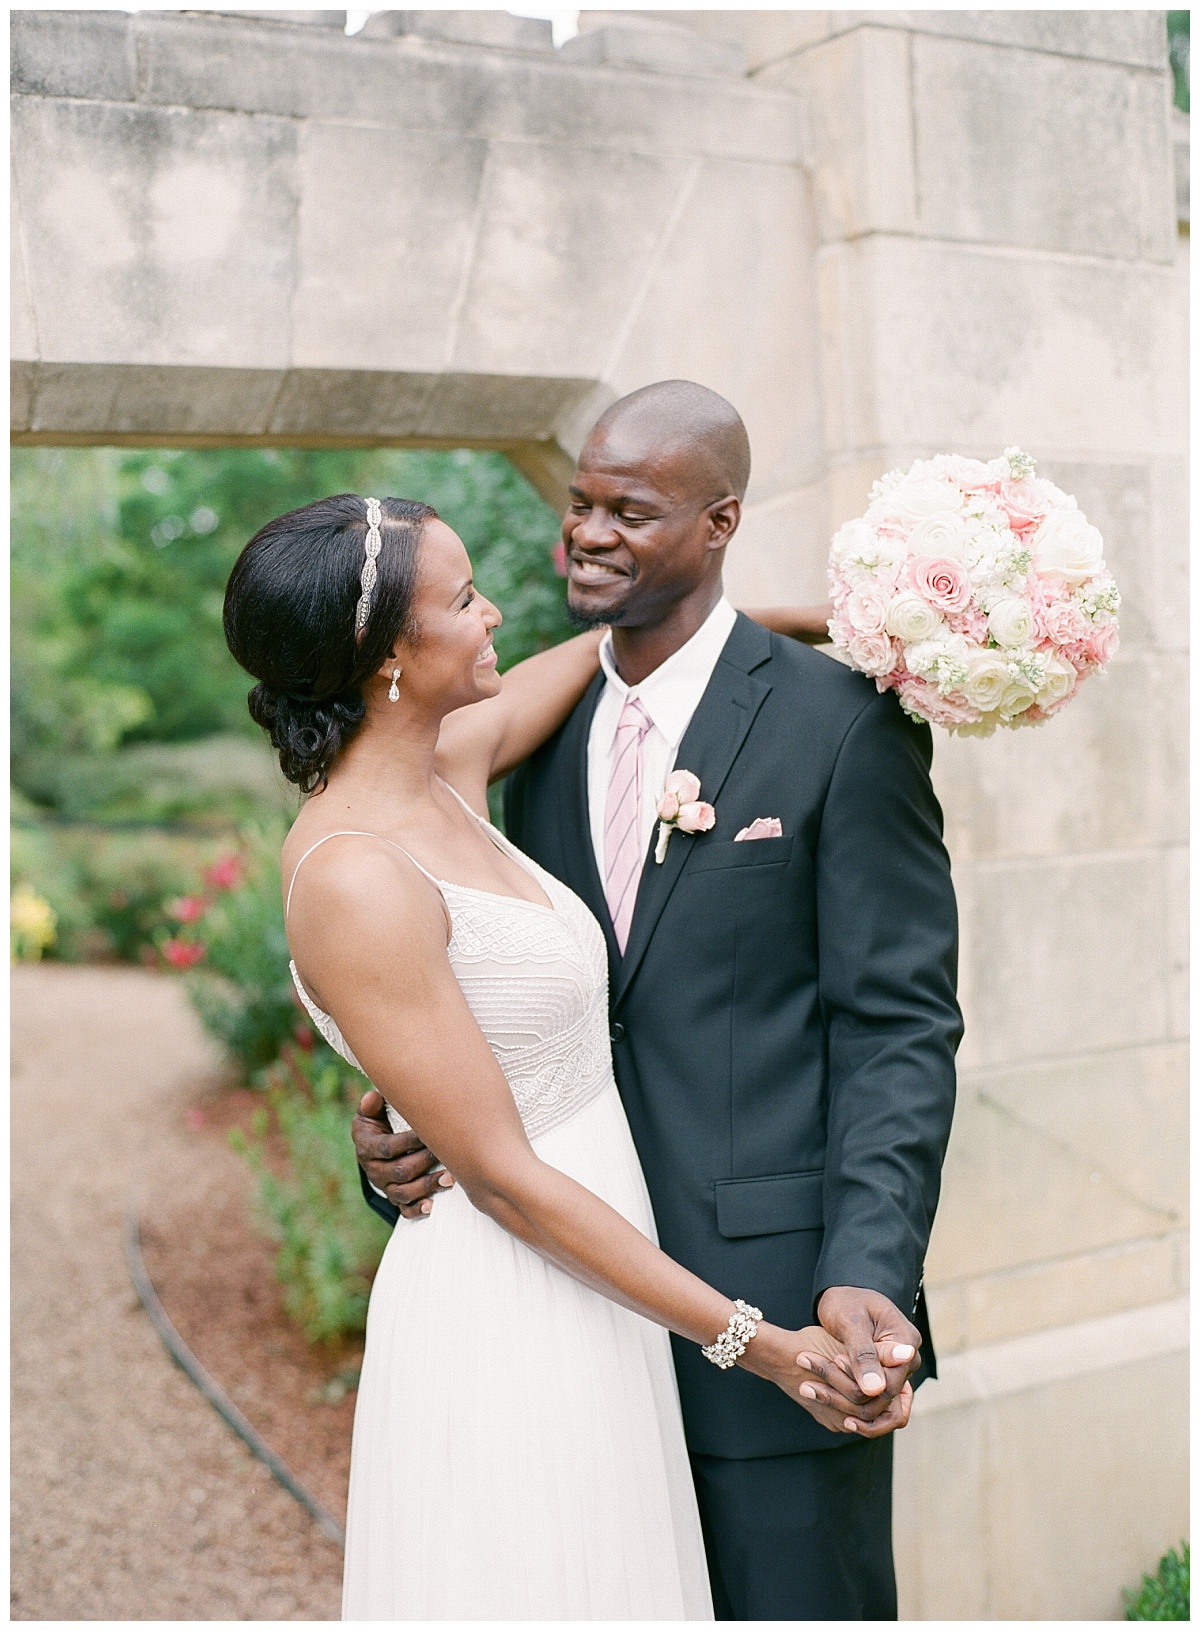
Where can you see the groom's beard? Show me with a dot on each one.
(588, 620)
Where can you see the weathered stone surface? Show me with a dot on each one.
(1095, 778)
(1009, 1506)
(1181, 144)
(387, 232)
(1085, 165)
(73, 53)
(1062, 956)
(632, 42)
(1169, 563)
(103, 401)
(189, 226)
(976, 348)
(499, 30)
(547, 247)
(857, 95)
(1178, 917)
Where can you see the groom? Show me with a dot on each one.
(783, 1013)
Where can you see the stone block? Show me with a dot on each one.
(632, 42)
(1110, 772)
(386, 233)
(301, 19)
(355, 404)
(1084, 166)
(499, 30)
(22, 331)
(1181, 150)
(96, 401)
(1134, 37)
(404, 83)
(1061, 956)
(763, 36)
(1016, 1193)
(20, 396)
(757, 342)
(1089, 1286)
(771, 559)
(73, 53)
(1178, 915)
(957, 347)
(189, 222)
(498, 408)
(558, 264)
(1169, 564)
(856, 90)
(1017, 1500)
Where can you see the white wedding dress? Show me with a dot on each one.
(518, 1449)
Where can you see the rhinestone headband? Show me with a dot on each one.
(369, 571)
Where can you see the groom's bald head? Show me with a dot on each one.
(655, 498)
(678, 420)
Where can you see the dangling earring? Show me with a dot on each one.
(394, 690)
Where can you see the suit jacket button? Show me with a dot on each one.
(616, 1031)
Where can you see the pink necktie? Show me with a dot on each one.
(622, 818)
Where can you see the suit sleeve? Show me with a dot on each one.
(887, 944)
(377, 1202)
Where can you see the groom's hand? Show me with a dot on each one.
(882, 1348)
(397, 1163)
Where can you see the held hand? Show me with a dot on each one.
(814, 1369)
(883, 1348)
(397, 1163)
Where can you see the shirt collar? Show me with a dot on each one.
(672, 692)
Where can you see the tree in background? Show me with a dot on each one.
(1179, 45)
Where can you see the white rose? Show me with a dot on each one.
(943, 536)
(851, 542)
(912, 619)
(1058, 683)
(1067, 546)
(923, 496)
(871, 653)
(1018, 696)
(988, 677)
(1010, 622)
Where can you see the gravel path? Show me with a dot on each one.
(130, 1498)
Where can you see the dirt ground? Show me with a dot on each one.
(131, 1500)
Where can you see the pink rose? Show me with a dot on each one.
(684, 785)
(942, 582)
(696, 817)
(188, 909)
(1097, 647)
(1058, 620)
(866, 609)
(917, 696)
(1022, 503)
(225, 873)
(182, 954)
(871, 653)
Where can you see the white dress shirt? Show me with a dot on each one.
(670, 695)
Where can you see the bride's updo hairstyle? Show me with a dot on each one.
(290, 608)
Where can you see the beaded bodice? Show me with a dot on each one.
(536, 980)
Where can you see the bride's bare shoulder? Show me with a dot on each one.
(342, 882)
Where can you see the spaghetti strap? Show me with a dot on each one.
(355, 832)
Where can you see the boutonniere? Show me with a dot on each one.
(682, 808)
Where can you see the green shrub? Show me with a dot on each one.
(330, 1243)
(1166, 1594)
(242, 989)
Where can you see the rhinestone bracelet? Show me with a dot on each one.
(731, 1344)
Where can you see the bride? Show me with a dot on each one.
(517, 1352)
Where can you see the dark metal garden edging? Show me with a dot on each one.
(212, 1389)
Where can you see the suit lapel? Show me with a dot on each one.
(710, 745)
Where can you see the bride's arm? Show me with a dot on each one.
(536, 697)
(371, 945)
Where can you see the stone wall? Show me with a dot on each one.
(883, 235)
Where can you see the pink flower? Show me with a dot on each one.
(558, 558)
(866, 609)
(696, 817)
(919, 697)
(1022, 503)
(225, 873)
(188, 908)
(1097, 648)
(971, 623)
(871, 653)
(680, 788)
(305, 1036)
(182, 954)
(195, 1119)
(942, 582)
(760, 827)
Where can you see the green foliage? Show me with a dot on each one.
(329, 1242)
(120, 560)
(1166, 1594)
(1179, 44)
(243, 988)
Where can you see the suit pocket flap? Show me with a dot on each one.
(769, 1206)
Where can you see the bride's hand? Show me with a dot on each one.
(813, 1367)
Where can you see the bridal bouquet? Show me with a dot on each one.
(978, 592)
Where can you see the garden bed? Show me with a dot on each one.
(214, 1271)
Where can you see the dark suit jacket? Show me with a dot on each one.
(784, 1019)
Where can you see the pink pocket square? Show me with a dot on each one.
(761, 827)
